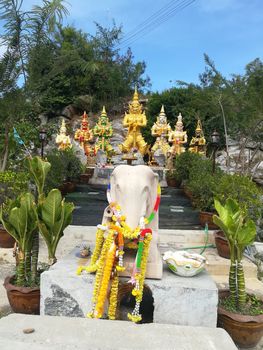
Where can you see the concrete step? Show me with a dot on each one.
(63, 333)
(253, 285)
(220, 266)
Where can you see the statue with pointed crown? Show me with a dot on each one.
(198, 142)
(103, 131)
(62, 139)
(134, 120)
(178, 137)
(84, 135)
(161, 130)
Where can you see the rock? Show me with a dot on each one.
(28, 330)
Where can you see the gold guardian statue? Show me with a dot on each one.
(198, 142)
(134, 120)
(178, 137)
(161, 130)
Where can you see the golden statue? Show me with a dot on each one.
(178, 137)
(84, 135)
(198, 142)
(62, 139)
(134, 120)
(103, 130)
(161, 130)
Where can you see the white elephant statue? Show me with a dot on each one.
(134, 188)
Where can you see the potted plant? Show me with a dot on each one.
(247, 195)
(203, 185)
(25, 218)
(171, 179)
(12, 185)
(239, 313)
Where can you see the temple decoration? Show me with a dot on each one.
(107, 259)
(178, 137)
(134, 120)
(84, 135)
(62, 139)
(198, 142)
(103, 130)
(161, 130)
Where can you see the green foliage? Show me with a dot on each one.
(253, 306)
(12, 185)
(240, 232)
(183, 164)
(54, 216)
(65, 166)
(244, 191)
(21, 223)
(38, 170)
(24, 215)
(203, 188)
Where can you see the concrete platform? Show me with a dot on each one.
(177, 300)
(61, 333)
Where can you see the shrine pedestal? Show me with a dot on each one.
(177, 300)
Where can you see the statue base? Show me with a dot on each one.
(129, 158)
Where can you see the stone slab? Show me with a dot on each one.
(61, 333)
(177, 300)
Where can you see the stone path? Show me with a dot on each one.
(175, 210)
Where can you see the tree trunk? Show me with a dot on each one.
(6, 150)
(241, 291)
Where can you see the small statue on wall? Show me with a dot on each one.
(161, 130)
(62, 139)
(103, 130)
(198, 142)
(178, 137)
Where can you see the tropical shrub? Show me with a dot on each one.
(244, 191)
(26, 216)
(65, 166)
(183, 164)
(240, 232)
(12, 185)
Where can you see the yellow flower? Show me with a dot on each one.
(120, 268)
(134, 318)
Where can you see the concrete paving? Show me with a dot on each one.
(62, 333)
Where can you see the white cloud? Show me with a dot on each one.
(2, 49)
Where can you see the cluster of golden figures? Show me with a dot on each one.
(168, 142)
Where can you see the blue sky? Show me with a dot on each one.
(229, 31)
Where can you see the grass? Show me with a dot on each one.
(253, 306)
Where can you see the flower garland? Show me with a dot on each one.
(107, 259)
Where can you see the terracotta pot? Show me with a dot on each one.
(171, 182)
(222, 244)
(246, 331)
(207, 217)
(23, 300)
(6, 241)
(84, 178)
(67, 187)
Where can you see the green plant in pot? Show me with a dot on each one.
(239, 313)
(203, 187)
(11, 186)
(26, 217)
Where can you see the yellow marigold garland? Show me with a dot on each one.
(113, 298)
(102, 293)
(92, 267)
(99, 273)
